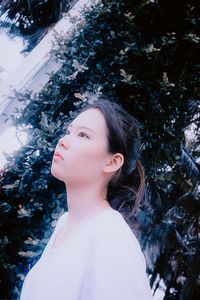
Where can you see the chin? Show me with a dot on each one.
(54, 172)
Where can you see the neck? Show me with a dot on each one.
(83, 202)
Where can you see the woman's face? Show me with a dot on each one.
(84, 151)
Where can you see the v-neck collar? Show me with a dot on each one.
(79, 229)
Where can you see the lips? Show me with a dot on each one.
(58, 154)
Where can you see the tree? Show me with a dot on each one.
(143, 54)
(32, 18)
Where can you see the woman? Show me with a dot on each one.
(93, 254)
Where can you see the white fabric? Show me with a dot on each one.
(100, 261)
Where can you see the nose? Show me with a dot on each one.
(63, 143)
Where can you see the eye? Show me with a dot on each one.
(84, 134)
(79, 133)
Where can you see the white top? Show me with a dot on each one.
(102, 260)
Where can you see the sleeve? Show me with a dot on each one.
(120, 274)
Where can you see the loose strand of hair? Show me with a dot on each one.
(140, 192)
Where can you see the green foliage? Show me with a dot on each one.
(145, 55)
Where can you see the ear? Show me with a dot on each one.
(113, 163)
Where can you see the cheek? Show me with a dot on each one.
(89, 157)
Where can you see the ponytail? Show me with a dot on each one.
(125, 195)
(140, 192)
(131, 196)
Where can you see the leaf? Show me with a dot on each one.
(188, 164)
(28, 253)
(79, 96)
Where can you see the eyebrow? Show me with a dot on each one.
(70, 125)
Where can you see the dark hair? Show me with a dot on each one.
(126, 187)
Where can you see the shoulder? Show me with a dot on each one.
(111, 231)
